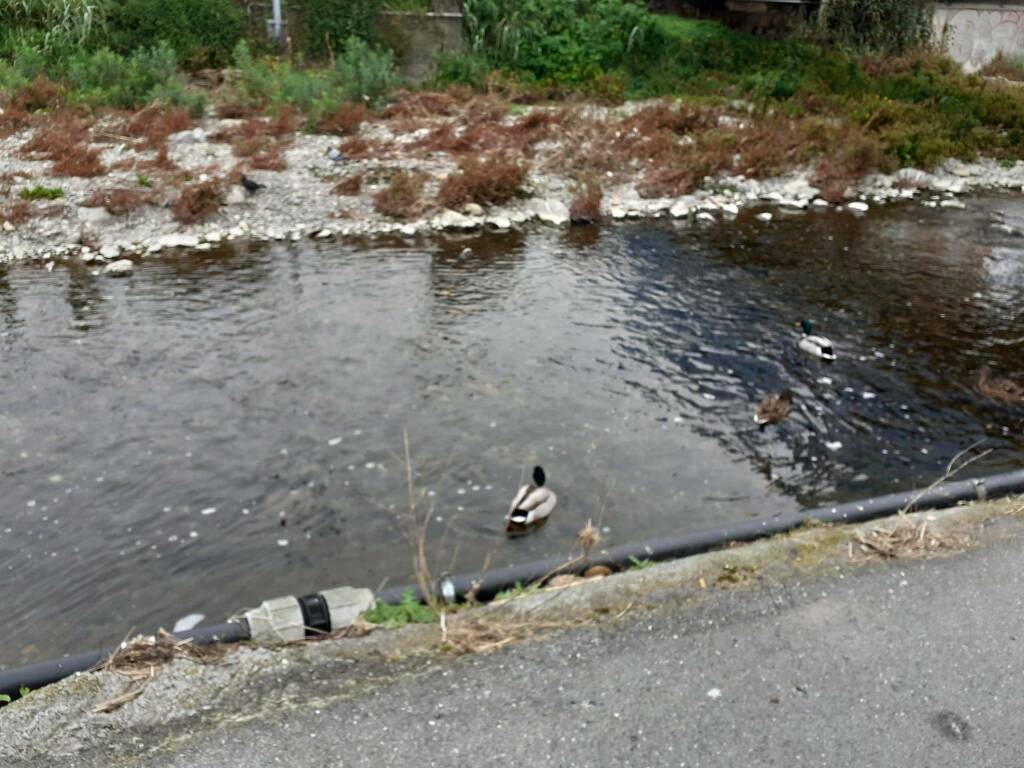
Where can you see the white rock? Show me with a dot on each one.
(819, 203)
(550, 211)
(8, 227)
(731, 209)
(213, 237)
(952, 203)
(408, 230)
(449, 219)
(499, 222)
(681, 208)
(618, 212)
(109, 252)
(323, 234)
(88, 215)
(203, 247)
(791, 202)
(194, 136)
(705, 216)
(764, 216)
(473, 209)
(177, 240)
(121, 268)
(235, 196)
(858, 206)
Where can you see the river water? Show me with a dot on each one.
(155, 429)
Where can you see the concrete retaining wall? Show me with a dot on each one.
(976, 31)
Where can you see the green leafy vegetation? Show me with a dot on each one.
(41, 193)
(4, 698)
(362, 73)
(884, 26)
(518, 590)
(202, 33)
(408, 611)
(636, 564)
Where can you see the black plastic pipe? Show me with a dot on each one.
(35, 676)
(485, 586)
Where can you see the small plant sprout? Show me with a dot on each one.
(408, 611)
(636, 564)
(145, 181)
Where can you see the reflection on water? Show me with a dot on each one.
(158, 429)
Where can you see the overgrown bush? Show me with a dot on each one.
(330, 23)
(53, 26)
(361, 73)
(402, 198)
(487, 181)
(883, 26)
(203, 33)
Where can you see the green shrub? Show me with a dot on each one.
(885, 26)
(361, 73)
(471, 69)
(329, 23)
(50, 25)
(106, 78)
(408, 611)
(203, 33)
(41, 193)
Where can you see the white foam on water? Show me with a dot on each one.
(208, 511)
(334, 441)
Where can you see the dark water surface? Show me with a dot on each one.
(155, 428)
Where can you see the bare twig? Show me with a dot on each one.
(951, 469)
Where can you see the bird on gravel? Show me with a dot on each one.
(250, 186)
(335, 155)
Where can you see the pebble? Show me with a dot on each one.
(858, 206)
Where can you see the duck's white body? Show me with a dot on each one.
(818, 346)
(531, 505)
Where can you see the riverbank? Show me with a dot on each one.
(758, 605)
(158, 180)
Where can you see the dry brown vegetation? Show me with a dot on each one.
(420, 105)
(402, 198)
(586, 202)
(17, 212)
(350, 185)
(80, 160)
(490, 180)
(199, 201)
(345, 121)
(906, 541)
(121, 200)
(154, 124)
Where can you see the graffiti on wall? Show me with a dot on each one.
(976, 35)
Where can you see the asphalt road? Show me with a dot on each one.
(905, 664)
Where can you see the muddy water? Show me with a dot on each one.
(156, 429)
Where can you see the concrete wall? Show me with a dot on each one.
(422, 38)
(976, 31)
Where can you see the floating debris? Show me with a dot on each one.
(714, 693)
(833, 445)
(334, 441)
(185, 623)
(282, 542)
(207, 511)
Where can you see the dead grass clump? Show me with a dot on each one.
(681, 119)
(18, 212)
(1005, 67)
(79, 161)
(360, 148)
(154, 124)
(421, 105)
(350, 185)
(403, 197)
(141, 659)
(57, 135)
(905, 541)
(198, 201)
(586, 202)
(285, 123)
(490, 180)
(120, 200)
(269, 159)
(235, 111)
(850, 160)
(252, 146)
(160, 162)
(471, 634)
(41, 93)
(345, 121)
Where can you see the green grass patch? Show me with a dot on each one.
(637, 564)
(408, 611)
(41, 193)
